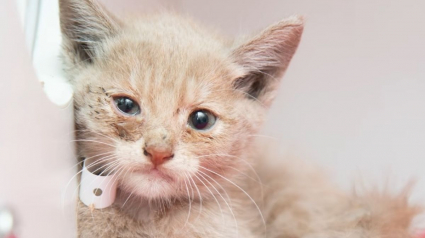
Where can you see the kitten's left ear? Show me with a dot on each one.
(265, 58)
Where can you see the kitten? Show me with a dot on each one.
(171, 109)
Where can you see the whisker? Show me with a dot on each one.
(73, 177)
(97, 133)
(107, 165)
(111, 171)
(237, 186)
(200, 197)
(247, 163)
(246, 175)
(228, 205)
(109, 152)
(190, 202)
(216, 200)
(133, 190)
(115, 171)
(94, 141)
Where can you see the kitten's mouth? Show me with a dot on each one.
(155, 173)
(158, 173)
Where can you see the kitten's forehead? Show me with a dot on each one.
(174, 64)
(167, 56)
(167, 78)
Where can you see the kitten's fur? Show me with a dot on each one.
(171, 66)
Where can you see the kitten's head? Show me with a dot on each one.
(164, 103)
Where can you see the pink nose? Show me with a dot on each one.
(158, 155)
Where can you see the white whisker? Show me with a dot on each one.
(93, 141)
(200, 197)
(97, 133)
(228, 205)
(73, 177)
(190, 202)
(216, 200)
(241, 189)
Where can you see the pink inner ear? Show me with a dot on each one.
(265, 58)
(273, 48)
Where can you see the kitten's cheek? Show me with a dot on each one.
(181, 166)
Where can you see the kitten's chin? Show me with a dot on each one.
(150, 184)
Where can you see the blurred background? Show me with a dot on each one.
(352, 100)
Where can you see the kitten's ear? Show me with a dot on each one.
(84, 24)
(265, 58)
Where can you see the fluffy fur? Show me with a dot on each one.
(211, 187)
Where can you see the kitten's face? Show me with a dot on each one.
(171, 88)
(164, 104)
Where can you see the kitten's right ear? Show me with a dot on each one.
(266, 57)
(84, 24)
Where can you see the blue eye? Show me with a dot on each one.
(202, 120)
(127, 106)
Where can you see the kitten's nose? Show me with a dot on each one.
(158, 155)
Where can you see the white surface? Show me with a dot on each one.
(29, 11)
(90, 182)
(6, 221)
(46, 54)
(22, 5)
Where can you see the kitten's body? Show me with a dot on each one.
(206, 185)
(298, 202)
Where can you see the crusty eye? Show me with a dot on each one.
(202, 120)
(127, 106)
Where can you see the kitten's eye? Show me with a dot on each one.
(202, 120)
(127, 105)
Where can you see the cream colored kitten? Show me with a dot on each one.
(171, 109)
